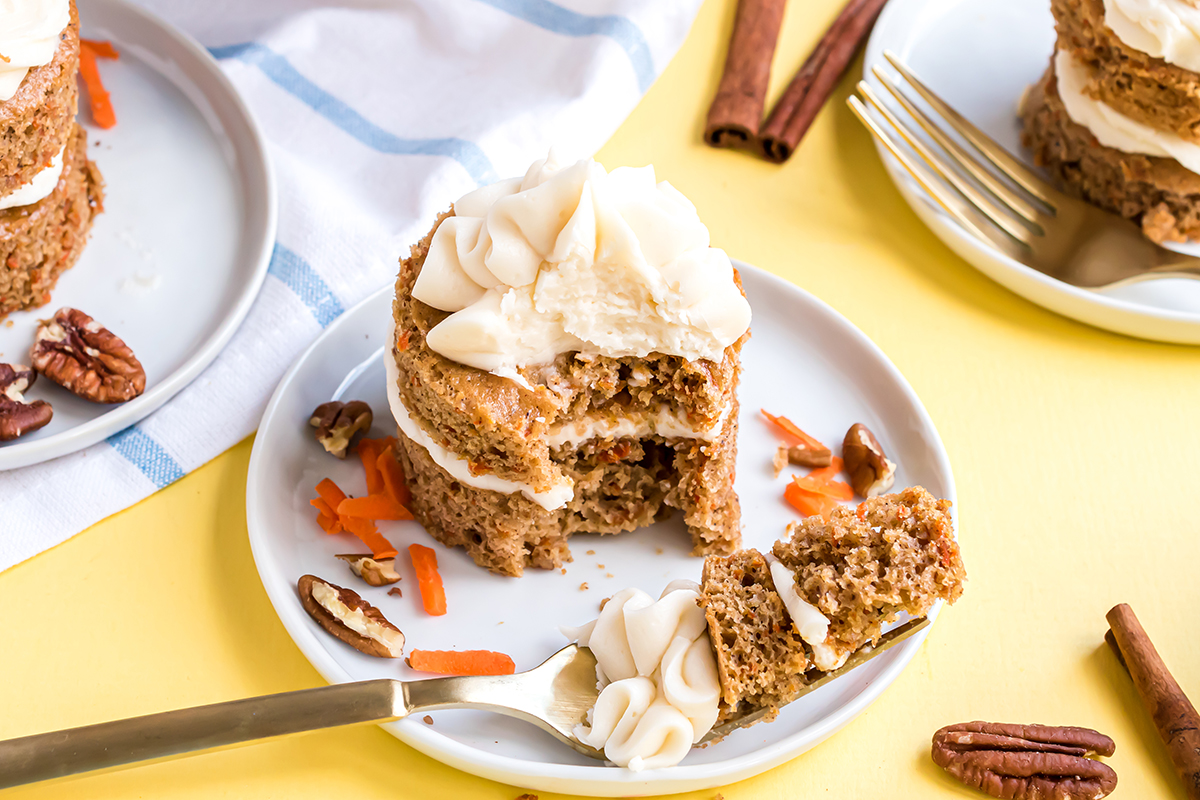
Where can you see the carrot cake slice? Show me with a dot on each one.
(49, 191)
(1116, 117)
(564, 359)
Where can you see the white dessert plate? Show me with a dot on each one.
(182, 247)
(979, 55)
(805, 360)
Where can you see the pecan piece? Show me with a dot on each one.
(871, 472)
(350, 618)
(1026, 762)
(18, 417)
(87, 359)
(375, 571)
(337, 423)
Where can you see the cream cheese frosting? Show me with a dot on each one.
(661, 422)
(658, 677)
(458, 467)
(1166, 29)
(29, 32)
(573, 258)
(1111, 128)
(38, 188)
(810, 623)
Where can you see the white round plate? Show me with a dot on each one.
(805, 361)
(182, 247)
(979, 55)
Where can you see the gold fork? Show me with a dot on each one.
(1008, 206)
(555, 696)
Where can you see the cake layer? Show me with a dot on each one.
(1158, 193)
(1144, 88)
(36, 122)
(618, 485)
(39, 242)
(501, 426)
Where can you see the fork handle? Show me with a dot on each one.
(171, 734)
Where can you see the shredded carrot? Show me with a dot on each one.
(461, 662)
(429, 580)
(329, 505)
(329, 524)
(791, 428)
(100, 48)
(102, 110)
(330, 493)
(373, 506)
(366, 531)
(368, 450)
(807, 503)
(835, 489)
(827, 473)
(393, 478)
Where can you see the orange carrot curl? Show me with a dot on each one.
(791, 428)
(808, 503)
(461, 662)
(333, 519)
(102, 110)
(429, 580)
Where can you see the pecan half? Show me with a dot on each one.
(18, 417)
(375, 571)
(1026, 762)
(871, 472)
(337, 423)
(84, 357)
(350, 618)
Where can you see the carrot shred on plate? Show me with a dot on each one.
(333, 520)
(330, 493)
(369, 535)
(393, 478)
(827, 473)
(791, 428)
(809, 503)
(461, 662)
(429, 580)
(834, 489)
(368, 451)
(101, 105)
(373, 506)
(329, 524)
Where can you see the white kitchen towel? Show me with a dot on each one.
(377, 117)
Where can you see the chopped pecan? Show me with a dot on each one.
(375, 571)
(337, 423)
(350, 618)
(18, 417)
(871, 472)
(1026, 762)
(84, 357)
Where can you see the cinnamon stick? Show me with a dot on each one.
(793, 115)
(1175, 717)
(737, 110)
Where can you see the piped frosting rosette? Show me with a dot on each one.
(658, 676)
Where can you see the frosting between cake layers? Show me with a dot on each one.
(658, 676)
(29, 32)
(1166, 29)
(457, 466)
(1111, 128)
(662, 422)
(39, 187)
(573, 258)
(810, 623)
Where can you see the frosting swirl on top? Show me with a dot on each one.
(1166, 29)
(573, 258)
(660, 688)
(29, 32)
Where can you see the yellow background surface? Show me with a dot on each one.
(1075, 453)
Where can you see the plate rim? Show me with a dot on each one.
(256, 177)
(540, 776)
(898, 23)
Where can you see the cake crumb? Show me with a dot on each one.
(395, 592)
(583, 586)
(8, 323)
(535, 797)
(608, 575)
(599, 566)
(658, 551)
(780, 460)
(562, 571)
(428, 720)
(589, 552)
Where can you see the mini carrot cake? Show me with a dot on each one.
(49, 191)
(565, 358)
(1116, 117)
(758, 628)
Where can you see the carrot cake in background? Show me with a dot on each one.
(565, 358)
(1116, 117)
(49, 191)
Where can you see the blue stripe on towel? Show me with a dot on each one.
(143, 452)
(301, 278)
(280, 70)
(555, 18)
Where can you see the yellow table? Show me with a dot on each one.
(1075, 452)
